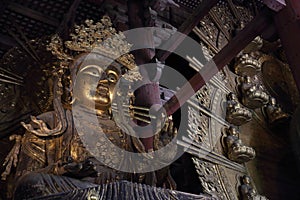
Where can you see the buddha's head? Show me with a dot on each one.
(94, 79)
(95, 58)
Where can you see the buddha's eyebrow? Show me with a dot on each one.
(99, 69)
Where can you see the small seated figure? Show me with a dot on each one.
(236, 113)
(274, 113)
(248, 192)
(236, 150)
(253, 96)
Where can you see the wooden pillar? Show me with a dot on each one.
(149, 93)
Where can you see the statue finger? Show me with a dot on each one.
(170, 128)
(28, 127)
(174, 132)
(36, 121)
(165, 129)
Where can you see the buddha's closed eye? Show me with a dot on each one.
(92, 70)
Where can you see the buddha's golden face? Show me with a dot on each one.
(94, 85)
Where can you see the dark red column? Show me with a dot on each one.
(149, 94)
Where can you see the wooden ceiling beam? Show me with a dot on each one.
(199, 13)
(33, 14)
(238, 43)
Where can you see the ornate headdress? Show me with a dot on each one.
(98, 37)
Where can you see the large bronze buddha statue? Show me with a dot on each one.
(65, 149)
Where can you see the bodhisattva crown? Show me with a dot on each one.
(100, 38)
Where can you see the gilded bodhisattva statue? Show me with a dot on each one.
(52, 157)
